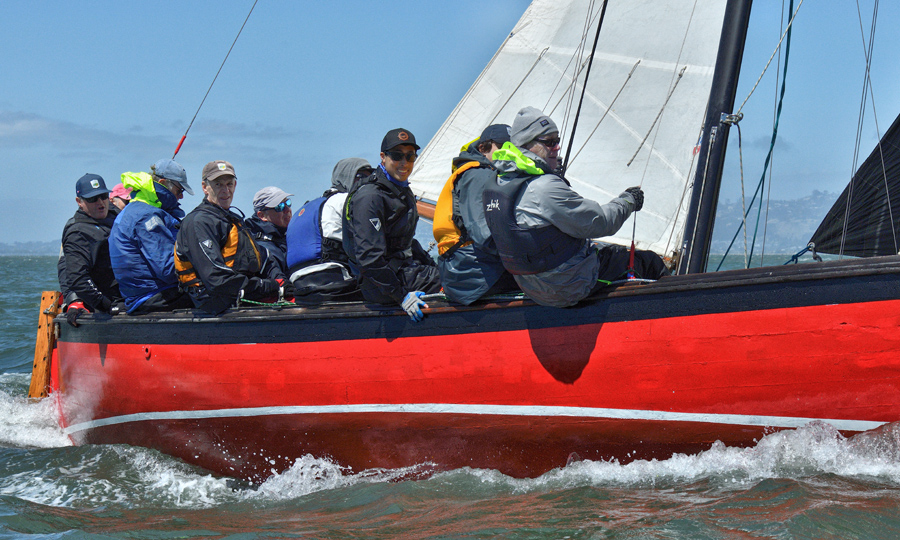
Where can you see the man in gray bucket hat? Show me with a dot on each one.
(543, 228)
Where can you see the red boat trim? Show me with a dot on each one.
(494, 410)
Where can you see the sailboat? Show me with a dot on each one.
(640, 371)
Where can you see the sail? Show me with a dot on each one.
(874, 195)
(642, 113)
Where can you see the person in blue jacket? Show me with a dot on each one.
(142, 240)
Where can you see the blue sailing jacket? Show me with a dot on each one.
(142, 246)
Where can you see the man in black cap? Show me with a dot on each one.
(85, 273)
(379, 227)
(469, 264)
(216, 259)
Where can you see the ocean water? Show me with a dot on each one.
(806, 483)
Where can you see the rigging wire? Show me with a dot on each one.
(762, 255)
(183, 137)
(578, 59)
(760, 187)
(786, 32)
(587, 76)
(867, 90)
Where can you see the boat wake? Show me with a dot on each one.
(38, 464)
(25, 423)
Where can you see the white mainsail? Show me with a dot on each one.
(643, 110)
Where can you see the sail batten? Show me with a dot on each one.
(642, 47)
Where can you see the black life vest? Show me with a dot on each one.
(240, 254)
(397, 246)
(523, 251)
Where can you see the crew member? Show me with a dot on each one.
(120, 196)
(216, 259)
(379, 225)
(469, 264)
(85, 274)
(272, 207)
(318, 267)
(543, 228)
(142, 241)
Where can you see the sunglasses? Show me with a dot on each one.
(364, 173)
(400, 156)
(282, 206)
(549, 143)
(95, 198)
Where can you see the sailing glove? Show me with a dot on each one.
(638, 195)
(74, 311)
(412, 304)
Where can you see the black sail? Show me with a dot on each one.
(874, 195)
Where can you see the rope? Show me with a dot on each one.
(183, 137)
(274, 305)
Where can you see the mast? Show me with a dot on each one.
(705, 195)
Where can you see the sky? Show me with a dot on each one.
(109, 86)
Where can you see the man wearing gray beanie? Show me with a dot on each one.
(543, 228)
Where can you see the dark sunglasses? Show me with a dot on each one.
(399, 156)
(95, 198)
(281, 206)
(364, 173)
(549, 143)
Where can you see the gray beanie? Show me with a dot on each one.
(530, 124)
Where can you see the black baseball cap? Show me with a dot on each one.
(498, 133)
(90, 185)
(396, 137)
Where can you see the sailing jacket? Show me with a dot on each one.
(84, 270)
(272, 239)
(142, 243)
(216, 258)
(469, 263)
(379, 225)
(547, 200)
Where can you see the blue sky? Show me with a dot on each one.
(110, 86)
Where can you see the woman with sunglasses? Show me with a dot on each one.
(379, 227)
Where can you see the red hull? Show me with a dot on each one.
(519, 400)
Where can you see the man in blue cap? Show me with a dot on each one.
(85, 274)
(379, 227)
(142, 240)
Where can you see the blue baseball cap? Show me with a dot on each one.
(90, 185)
(171, 170)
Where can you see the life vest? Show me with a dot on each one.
(307, 242)
(448, 227)
(523, 250)
(240, 254)
(398, 247)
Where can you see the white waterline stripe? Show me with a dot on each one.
(501, 410)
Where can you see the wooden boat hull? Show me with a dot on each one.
(640, 372)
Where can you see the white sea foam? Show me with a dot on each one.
(309, 475)
(813, 449)
(27, 423)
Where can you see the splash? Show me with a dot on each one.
(25, 423)
(814, 449)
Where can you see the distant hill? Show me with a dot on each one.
(790, 225)
(30, 248)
